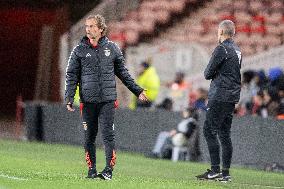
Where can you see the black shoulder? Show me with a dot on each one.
(222, 48)
(76, 49)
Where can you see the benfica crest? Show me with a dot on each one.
(85, 126)
(107, 52)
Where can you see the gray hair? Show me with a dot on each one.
(228, 27)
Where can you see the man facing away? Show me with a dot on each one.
(224, 72)
(93, 64)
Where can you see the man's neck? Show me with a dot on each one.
(95, 42)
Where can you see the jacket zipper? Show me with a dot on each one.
(100, 74)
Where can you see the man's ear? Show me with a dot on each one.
(222, 32)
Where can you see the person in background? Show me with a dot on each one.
(178, 92)
(260, 104)
(260, 80)
(276, 79)
(201, 100)
(249, 90)
(166, 104)
(187, 126)
(150, 81)
(280, 112)
(77, 97)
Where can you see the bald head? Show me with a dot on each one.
(228, 28)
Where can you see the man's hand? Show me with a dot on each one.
(143, 96)
(70, 107)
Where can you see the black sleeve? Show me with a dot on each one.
(122, 73)
(216, 59)
(72, 76)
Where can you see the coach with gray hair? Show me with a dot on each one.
(223, 70)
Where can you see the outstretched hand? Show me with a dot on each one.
(143, 96)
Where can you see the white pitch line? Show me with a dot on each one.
(257, 185)
(11, 177)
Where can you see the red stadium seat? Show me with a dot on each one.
(240, 5)
(244, 28)
(242, 17)
(259, 24)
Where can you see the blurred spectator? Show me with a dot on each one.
(280, 112)
(276, 80)
(260, 104)
(261, 95)
(201, 99)
(249, 89)
(77, 97)
(179, 90)
(166, 104)
(185, 128)
(149, 80)
(260, 80)
(276, 76)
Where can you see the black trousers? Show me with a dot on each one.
(95, 115)
(217, 125)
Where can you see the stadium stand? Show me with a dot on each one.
(145, 19)
(260, 24)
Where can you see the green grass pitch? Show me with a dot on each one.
(38, 165)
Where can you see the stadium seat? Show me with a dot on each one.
(259, 24)
(256, 6)
(240, 5)
(273, 29)
(131, 37)
(257, 27)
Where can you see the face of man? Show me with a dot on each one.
(92, 30)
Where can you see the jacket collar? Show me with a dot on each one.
(229, 40)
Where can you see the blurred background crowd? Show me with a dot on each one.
(262, 94)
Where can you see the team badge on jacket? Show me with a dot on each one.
(107, 52)
(85, 126)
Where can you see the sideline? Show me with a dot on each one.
(11, 177)
(259, 186)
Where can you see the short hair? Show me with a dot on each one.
(228, 26)
(101, 23)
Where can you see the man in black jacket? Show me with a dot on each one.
(224, 72)
(93, 65)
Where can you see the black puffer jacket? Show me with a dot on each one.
(94, 69)
(224, 70)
